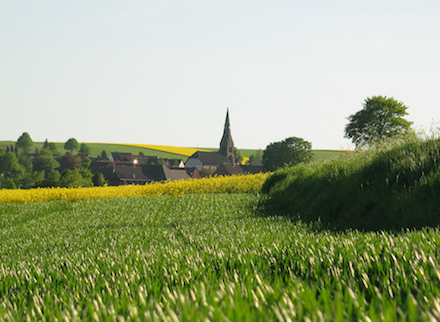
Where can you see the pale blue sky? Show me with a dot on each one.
(164, 71)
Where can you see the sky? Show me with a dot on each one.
(166, 71)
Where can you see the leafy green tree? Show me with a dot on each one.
(45, 145)
(161, 162)
(99, 180)
(257, 156)
(381, 117)
(10, 167)
(26, 161)
(32, 179)
(71, 145)
(85, 163)
(175, 163)
(288, 152)
(75, 178)
(8, 183)
(103, 155)
(52, 180)
(45, 162)
(54, 149)
(25, 142)
(84, 148)
(237, 155)
(207, 172)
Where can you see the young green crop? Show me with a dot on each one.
(205, 257)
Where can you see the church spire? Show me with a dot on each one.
(227, 144)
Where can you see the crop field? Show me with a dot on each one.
(221, 184)
(205, 257)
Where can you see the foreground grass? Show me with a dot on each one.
(205, 257)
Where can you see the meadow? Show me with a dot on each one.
(206, 257)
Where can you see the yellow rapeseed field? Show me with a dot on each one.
(231, 184)
(170, 149)
(174, 149)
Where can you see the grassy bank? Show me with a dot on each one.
(205, 257)
(393, 186)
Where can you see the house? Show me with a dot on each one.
(225, 155)
(201, 159)
(118, 173)
(252, 168)
(228, 169)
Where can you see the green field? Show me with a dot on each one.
(97, 148)
(206, 257)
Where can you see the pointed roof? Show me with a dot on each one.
(227, 144)
(227, 137)
(210, 158)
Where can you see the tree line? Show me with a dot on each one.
(46, 167)
(381, 117)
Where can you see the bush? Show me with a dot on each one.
(390, 187)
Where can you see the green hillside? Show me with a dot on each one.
(97, 148)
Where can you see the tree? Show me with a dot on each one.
(45, 162)
(103, 155)
(98, 180)
(10, 167)
(257, 156)
(52, 180)
(71, 144)
(286, 153)
(69, 161)
(54, 149)
(85, 163)
(46, 145)
(32, 179)
(26, 161)
(25, 142)
(381, 117)
(76, 178)
(85, 149)
(161, 161)
(237, 155)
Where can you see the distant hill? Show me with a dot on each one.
(161, 151)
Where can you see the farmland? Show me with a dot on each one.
(159, 151)
(205, 257)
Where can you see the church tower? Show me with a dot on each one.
(226, 144)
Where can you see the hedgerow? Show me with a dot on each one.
(391, 186)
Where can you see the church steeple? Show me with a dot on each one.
(227, 144)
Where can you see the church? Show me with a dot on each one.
(225, 155)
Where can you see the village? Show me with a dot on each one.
(126, 168)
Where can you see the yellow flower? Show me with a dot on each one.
(230, 184)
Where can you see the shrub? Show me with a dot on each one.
(390, 187)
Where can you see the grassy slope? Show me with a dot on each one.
(396, 186)
(97, 148)
(202, 257)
